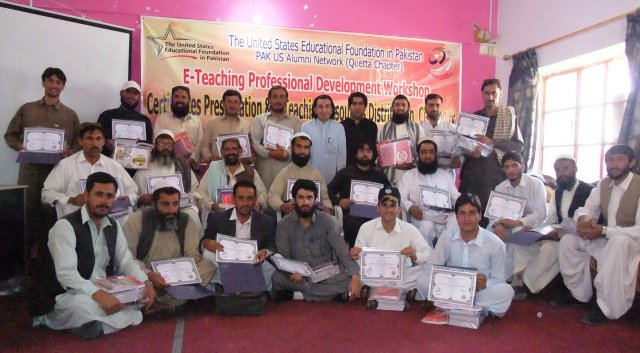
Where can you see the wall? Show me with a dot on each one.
(439, 20)
(524, 24)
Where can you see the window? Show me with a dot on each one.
(581, 112)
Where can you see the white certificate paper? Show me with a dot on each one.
(434, 197)
(292, 266)
(236, 250)
(128, 129)
(471, 124)
(43, 140)
(276, 134)
(381, 265)
(446, 141)
(174, 180)
(292, 181)
(505, 206)
(452, 285)
(177, 271)
(243, 138)
(465, 144)
(365, 192)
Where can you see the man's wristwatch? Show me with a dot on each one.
(604, 230)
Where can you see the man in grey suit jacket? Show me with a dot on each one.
(242, 222)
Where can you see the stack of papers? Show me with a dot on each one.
(462, 315)
(126, 288)
(387, 298)
(436, 316)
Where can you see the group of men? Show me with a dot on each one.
(295, 202)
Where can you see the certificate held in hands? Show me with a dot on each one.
(504, 206)
(381, 265)
(395, 152)
(276, 134)
(236, 250)
(182, 276)
(41, 146)
(365, 199)
(452, 285)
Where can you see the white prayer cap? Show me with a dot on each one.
(301, 134)
(565, 156)
(164, 183)
(165, 132)
(131, 84)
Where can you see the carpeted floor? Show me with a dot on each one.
(333, 327)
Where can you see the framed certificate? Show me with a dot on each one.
(177, 271)
(132, 155)
(452, 285)
(466, 144)
(292, 181)
(276, 134)
(471, 124)
(174, 180)
(292, 266)
(236, 250)
(183, 147)
(501, 205)
(43, 140)
(365, 198)
(224, 196)
(392, 153)
(446, 141)
(244, 143)
(431, 197)
(381, 265)
(128, 129)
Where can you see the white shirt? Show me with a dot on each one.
(64, 180)
(373, 235)
(534, 192)
(592, 209)
(191, 125)
(155, 169)
(243, 230)
(62, 245)
(441, 125)
(209, 200)
(409, 186)
(486, 253)
(329, 148)
(565, 203)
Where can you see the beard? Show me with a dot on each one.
(427, 168)
(300, 160)
(304, 214)
(164, 160)
(435, 115)
(622, 174)
(168, 224)
(566, 183)
(231, 159)
(364, 162)
(129, 106)
(180, 110)
(400, 118)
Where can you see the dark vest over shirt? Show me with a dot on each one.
(246, 175)
(150, 221)
(626, 216)
(579, 198)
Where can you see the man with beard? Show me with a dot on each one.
(280, 200)
(340, 187)
(328, 154)
(479, 175)
(230, 123)
(87, 245)
(313, 237)
(180, 120)
(163, 161)
(269, 162)
(615, 244)
(242, 222)
(225, 173)
(389, 233)
(531, 189)
(63, 187)
(163, 232)
(48, 112)
(129, 100)
(358, 128)
(400, 127)
(434, 123)
(427, 175)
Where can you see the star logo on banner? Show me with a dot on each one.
(440, 63)
(156, 40)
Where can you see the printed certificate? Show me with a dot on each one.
(128, 129)
(243, 138)
(505, 206)
(381, 265)
(446, 141)
(132, 155)
(276, 134)
(452, 285)
(471, 124)
(292, 181)
(236, 250)
(365, 192)
(434, 197)
(183, 147)
(292, 266)
(177, 271)
(224, 196)
(392, 153)
(43, 140)
(466, 144)
(174, 180)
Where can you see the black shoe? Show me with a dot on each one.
(365, 291)
(342, 297)
(427, 305)
(160, 310)
(566, 299)
(521, 293)
(282, 295)
(594, 316)
(90, 330)
(411, 294)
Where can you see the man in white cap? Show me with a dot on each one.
(280, 199)
(129, 100)
(163, 161)
(163, 232)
